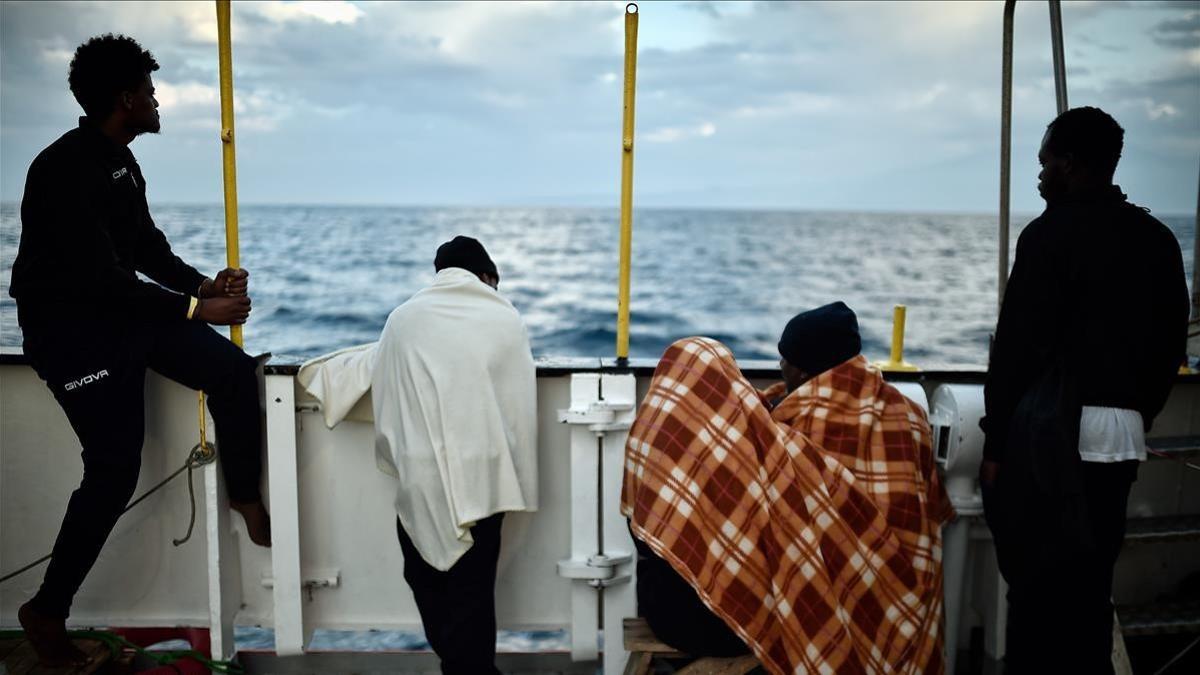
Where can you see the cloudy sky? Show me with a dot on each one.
(816, 105)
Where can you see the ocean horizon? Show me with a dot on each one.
(324, 277)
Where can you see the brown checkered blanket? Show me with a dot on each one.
(813, 531)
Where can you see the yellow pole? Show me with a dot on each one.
(631, 27)
(227, 147)
(898, 316)
(896, 362)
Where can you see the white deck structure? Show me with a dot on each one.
(336, 564)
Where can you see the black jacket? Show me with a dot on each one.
(86, 232)
(1097, 287)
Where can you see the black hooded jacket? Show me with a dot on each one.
(1097, 286)
(86, 232)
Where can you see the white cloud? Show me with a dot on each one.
(784, 83)
(260, 110)
(932, 25)
(335, 112)
(788, 104)
(923, 98)
(526, 36)
(171, 96)
(499, 99)
(1155, 110)
(57, 55)
(195, 105)
(199, 19)
(674, 134)
(326, 11)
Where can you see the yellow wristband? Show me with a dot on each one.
(193, 303)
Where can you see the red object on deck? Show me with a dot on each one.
(198, 638)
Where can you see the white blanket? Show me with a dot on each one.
(340, 381)
(454, 396)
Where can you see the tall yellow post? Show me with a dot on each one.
(631, 28)
(899, 314)
(896, 362)
(224, 44)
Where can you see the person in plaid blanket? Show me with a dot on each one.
(803, 520)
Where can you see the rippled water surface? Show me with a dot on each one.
(327, 277)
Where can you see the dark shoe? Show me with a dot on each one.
(258, 521)
(48, 636)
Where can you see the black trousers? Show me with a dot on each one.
(1060, 612)
(676, 614)
(97, 373)
(458, 606)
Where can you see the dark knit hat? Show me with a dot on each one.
(821, 338)
(466, 253)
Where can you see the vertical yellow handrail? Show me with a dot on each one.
(631, 27)
(229, 162)
(225, 70)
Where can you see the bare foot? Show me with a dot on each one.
(258, 521)
(48, 635)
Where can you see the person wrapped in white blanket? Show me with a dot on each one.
(455, 405)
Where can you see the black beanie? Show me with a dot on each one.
(821, 338)
(466, 253)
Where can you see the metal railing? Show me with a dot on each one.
(1196, 262)
(1056, 47)
(1060, 95)
(1010, 7)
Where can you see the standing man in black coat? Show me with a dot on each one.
(91, 327)
(1091, 334)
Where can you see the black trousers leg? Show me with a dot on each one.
(196, 356)
(1106, 490)
(675, 612)
(99, 382)
(458, 606)
(1060, 607)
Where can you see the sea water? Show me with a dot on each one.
(326, 277)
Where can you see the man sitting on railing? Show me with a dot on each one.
(811, 528)
(92, 328)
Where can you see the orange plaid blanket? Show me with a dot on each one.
(813, 531)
